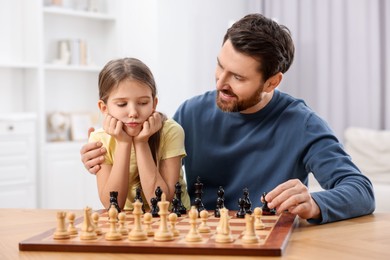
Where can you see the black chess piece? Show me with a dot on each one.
(220, 202)
(248, 203)
(114, 200)
(198, 195)
(241, 212)
(265, 208)
(178, 193)
(154, 209)
(158, 193)
(175, 207)
(138, 197)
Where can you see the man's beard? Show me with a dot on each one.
(238, 105)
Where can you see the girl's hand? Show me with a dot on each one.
(150, 126)
(114, 127)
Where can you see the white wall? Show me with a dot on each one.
(179, 41)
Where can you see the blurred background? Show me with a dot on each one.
(51, 52)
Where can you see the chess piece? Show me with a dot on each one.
(163, 233)
(173, 220)
(113, 234)
(71, 228)
(203, 227)
(114, 200)
(220, 202)
(148, 223)
(180, 205)
(258, 222)
(154, 207)
(241, 212)
(138, 197)
(87, 228)
(158, 193)
(122, 224)
(137, 233)
(198, 195)
(249, 236)
(193, 235)
(223, 229)
(175, 207)
(95, 220)
(61, 232)
(266, 210)
(248, 203)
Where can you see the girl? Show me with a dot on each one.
(144, 149)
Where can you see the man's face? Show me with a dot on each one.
(238, 82)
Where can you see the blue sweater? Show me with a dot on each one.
(284, 140)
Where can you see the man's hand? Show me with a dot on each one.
(293, 196)
(92, 155)
(150, 126)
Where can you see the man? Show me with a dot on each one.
(248, 134)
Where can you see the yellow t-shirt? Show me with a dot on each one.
(171, 145)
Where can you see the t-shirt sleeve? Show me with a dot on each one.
(101, 136)
(172, 141)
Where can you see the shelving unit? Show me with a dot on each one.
(37, 85)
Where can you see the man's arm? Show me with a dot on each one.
(92, 155)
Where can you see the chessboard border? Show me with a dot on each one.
(275, 244)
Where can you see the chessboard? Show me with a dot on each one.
(273, 239)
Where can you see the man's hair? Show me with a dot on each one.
(264, 40)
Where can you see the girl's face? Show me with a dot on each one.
(131, 103)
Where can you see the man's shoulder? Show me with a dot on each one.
(204, 99)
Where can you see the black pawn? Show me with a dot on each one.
(175, 207)
(114, 200)
(178, 193)
(265, 208)
(138, 197)
(241, 212)
(158, 193)
(154, 209)
(248, 203)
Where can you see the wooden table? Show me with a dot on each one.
(366, 237)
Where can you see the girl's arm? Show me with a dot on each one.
(115, 177)
(151, 177)
(168, 171)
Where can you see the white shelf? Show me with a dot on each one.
(18, 65)
(77, 13)
(88, 68)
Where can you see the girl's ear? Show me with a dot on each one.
(155, 101)
(102, 106)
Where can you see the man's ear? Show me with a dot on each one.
(102, 106)
(273, 82)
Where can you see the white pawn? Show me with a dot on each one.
(173, 220)
(258, 222)
(148, 223)
(113, 233)
(122, 224)
(95, 220)
(61, 232)
(193, 235)
(203, 227)
(71, 228)
(249, 236)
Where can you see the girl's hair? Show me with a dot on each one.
(114, 72)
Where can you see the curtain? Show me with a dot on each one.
(342, 63)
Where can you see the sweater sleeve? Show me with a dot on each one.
(348, 193)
